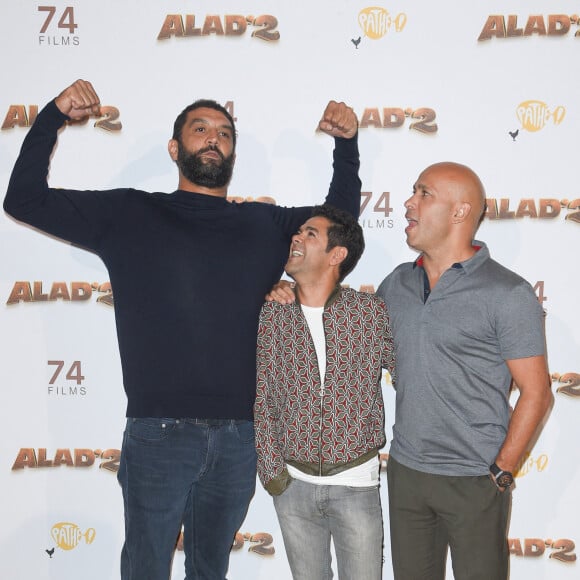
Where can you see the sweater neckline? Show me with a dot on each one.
(193, 199)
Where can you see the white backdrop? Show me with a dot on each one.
(493, 85)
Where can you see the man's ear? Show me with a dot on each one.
(462, 212)
(173, 148)
(337, 255)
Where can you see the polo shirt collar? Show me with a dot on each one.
(481, 254)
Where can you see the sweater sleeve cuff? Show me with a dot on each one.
(346, 147)
(51, 117)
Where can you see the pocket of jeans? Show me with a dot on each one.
(362, 489)
(150, 429)
(490, 491)
(245, 431)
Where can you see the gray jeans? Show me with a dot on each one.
(310, 515)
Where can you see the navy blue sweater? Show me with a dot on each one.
(188, 271)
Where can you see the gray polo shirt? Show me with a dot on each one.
(452, 386)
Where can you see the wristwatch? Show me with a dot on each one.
(502, 478)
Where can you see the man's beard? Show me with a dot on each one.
(205, 173)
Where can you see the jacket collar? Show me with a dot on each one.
(334, 295)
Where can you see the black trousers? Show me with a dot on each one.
(431, 513)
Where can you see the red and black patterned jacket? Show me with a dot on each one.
(320, 434)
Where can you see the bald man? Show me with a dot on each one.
(463, 326)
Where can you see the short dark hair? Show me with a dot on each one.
(202, 104)
(345, 231)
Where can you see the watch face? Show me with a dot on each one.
(505, 480)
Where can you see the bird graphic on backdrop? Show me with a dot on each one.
(514, 134)
(355, 42)
(50, 552)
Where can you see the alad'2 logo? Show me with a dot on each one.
(25, 291)
(567, 383)
(375, 22)
(545, 208)
(497, 26)
(263, 26)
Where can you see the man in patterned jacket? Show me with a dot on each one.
(319, 415)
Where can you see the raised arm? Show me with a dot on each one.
(78, 101)
(28, 182)
(340, 121)
(68, 214)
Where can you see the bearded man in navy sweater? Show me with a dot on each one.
(188, 354)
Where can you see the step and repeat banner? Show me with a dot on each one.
(492, 85)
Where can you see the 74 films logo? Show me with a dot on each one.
(57, 22)
(72, 374)
(381, 210)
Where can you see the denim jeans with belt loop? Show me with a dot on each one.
(312, 515)
(199, 473)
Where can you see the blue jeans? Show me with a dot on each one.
(310, 515)
(195, 472)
